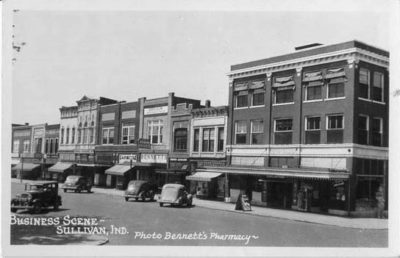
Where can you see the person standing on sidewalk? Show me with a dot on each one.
(380, 202)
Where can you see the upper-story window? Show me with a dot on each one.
(258, 97)
(108, 135)
(155, 130)
(313, 85)
(221, 137)
(257, 131)
(73, 135)
(364, 83)
(56, 145)
(283, 89)
(241, 99)
(253, 89)
(335, 82)
(196, 139)
(335, 126)
(313, 130)
(240, 132)
(27, 144)
(128, 134)
(363, 128)
(283, 131)
(62, 135)
(377, 131)
(377, 93)
(67, 136)
(208, 140)
(16, 146)
(79, 135)
(180, 139)
(91, 135)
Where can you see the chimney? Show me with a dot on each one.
(307, 46)
(208, 103)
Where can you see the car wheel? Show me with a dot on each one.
(126, 199)
(56, 206)
(65, 190)
(161, 204)
(78, 190)
(14, 210)
(136, 199)
(37, 208)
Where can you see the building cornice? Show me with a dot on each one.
(351, 55)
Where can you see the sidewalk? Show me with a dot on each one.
(360, 223)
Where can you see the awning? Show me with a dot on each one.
(118, 170)
(256, 84)
(203, 176)
(60, 167)
(15, 162)
(25, 166)
(334, 73)
(314, 76)
(288, 173)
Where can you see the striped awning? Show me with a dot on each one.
(118, 170)
(286, 173)
(60, 167)
(203, 176)
(334, 73)
(25, 166)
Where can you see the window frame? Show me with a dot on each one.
(237, 100)
(211, 147)
(367, 128)
(256, 133)
(262, 93)
(306, 92)
(380, 130)
(128, 135)
(368, 81)
(219, 140)
(194, 140)
(108, 129)
(276, 90)
(280, 119)
(328, 84)
(236, 130)
(160, 126)
(382, 82)
(332, 115)
(180, 138)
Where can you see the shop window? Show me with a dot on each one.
(240, 132)
(62, 135)
(377, 92)
(335, 128)
(208, 139)
(258, 98)
(363, 125)
(377, 131)
(283, 131)
(313, 130)
(370, 166)
(221, 137)
(108, 135)
(26, 146)
(180, 139)
(364, 83)
(73, 135)
(257, 131)
(367, 187)
(155, 131)
(128, 134)
(196, 138)
(242, 99)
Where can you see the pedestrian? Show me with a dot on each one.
(380, 202)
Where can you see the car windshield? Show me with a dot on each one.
(134, 186)
(36, 188)
(72, 179)
(170, 193)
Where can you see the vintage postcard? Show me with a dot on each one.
(188, 128)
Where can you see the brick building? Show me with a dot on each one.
(309, 130)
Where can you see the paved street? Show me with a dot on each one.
(145, 222)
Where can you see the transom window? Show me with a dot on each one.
(155, 130)
(108, 135)
(128, 134)
(240, 132)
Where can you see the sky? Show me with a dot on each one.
(125, 55)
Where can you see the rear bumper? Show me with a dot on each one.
(69, 187)
(21, 207)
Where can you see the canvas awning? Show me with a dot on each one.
(334, 73)
(203, 176)
(288, 173)
(25, 166)
(60, 167)
(283, 82)
(118, 170)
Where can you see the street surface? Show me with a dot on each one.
(145, 223)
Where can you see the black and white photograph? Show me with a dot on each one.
(200, 129)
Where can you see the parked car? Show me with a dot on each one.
(77, 184)
(139, 189)
(37, 196)
(175, 194)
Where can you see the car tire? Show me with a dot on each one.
(37, 208)
(14, 210)
(161, 204)
(65, 190)
(126, 199)
(56, 206)
(136, 199)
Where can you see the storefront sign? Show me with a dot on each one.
(177, 159)
(124, 158)
(144, 143)
(154, 158)
(155, 110)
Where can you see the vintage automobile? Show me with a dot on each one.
(175, 194)
(139, 189)
(77, 184)
(37, 196)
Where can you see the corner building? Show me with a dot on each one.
(309, 130)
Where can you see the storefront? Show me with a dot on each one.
(26, 170)
(61, 170)
(207, 185)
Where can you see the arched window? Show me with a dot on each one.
(67, 136)
(73, 135)
(62, 135)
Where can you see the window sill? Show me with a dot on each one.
(339, 98)
(368, 100)
(258, 106)
(378, 102)
(282, 104)
(311, 101)
(238, 108)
